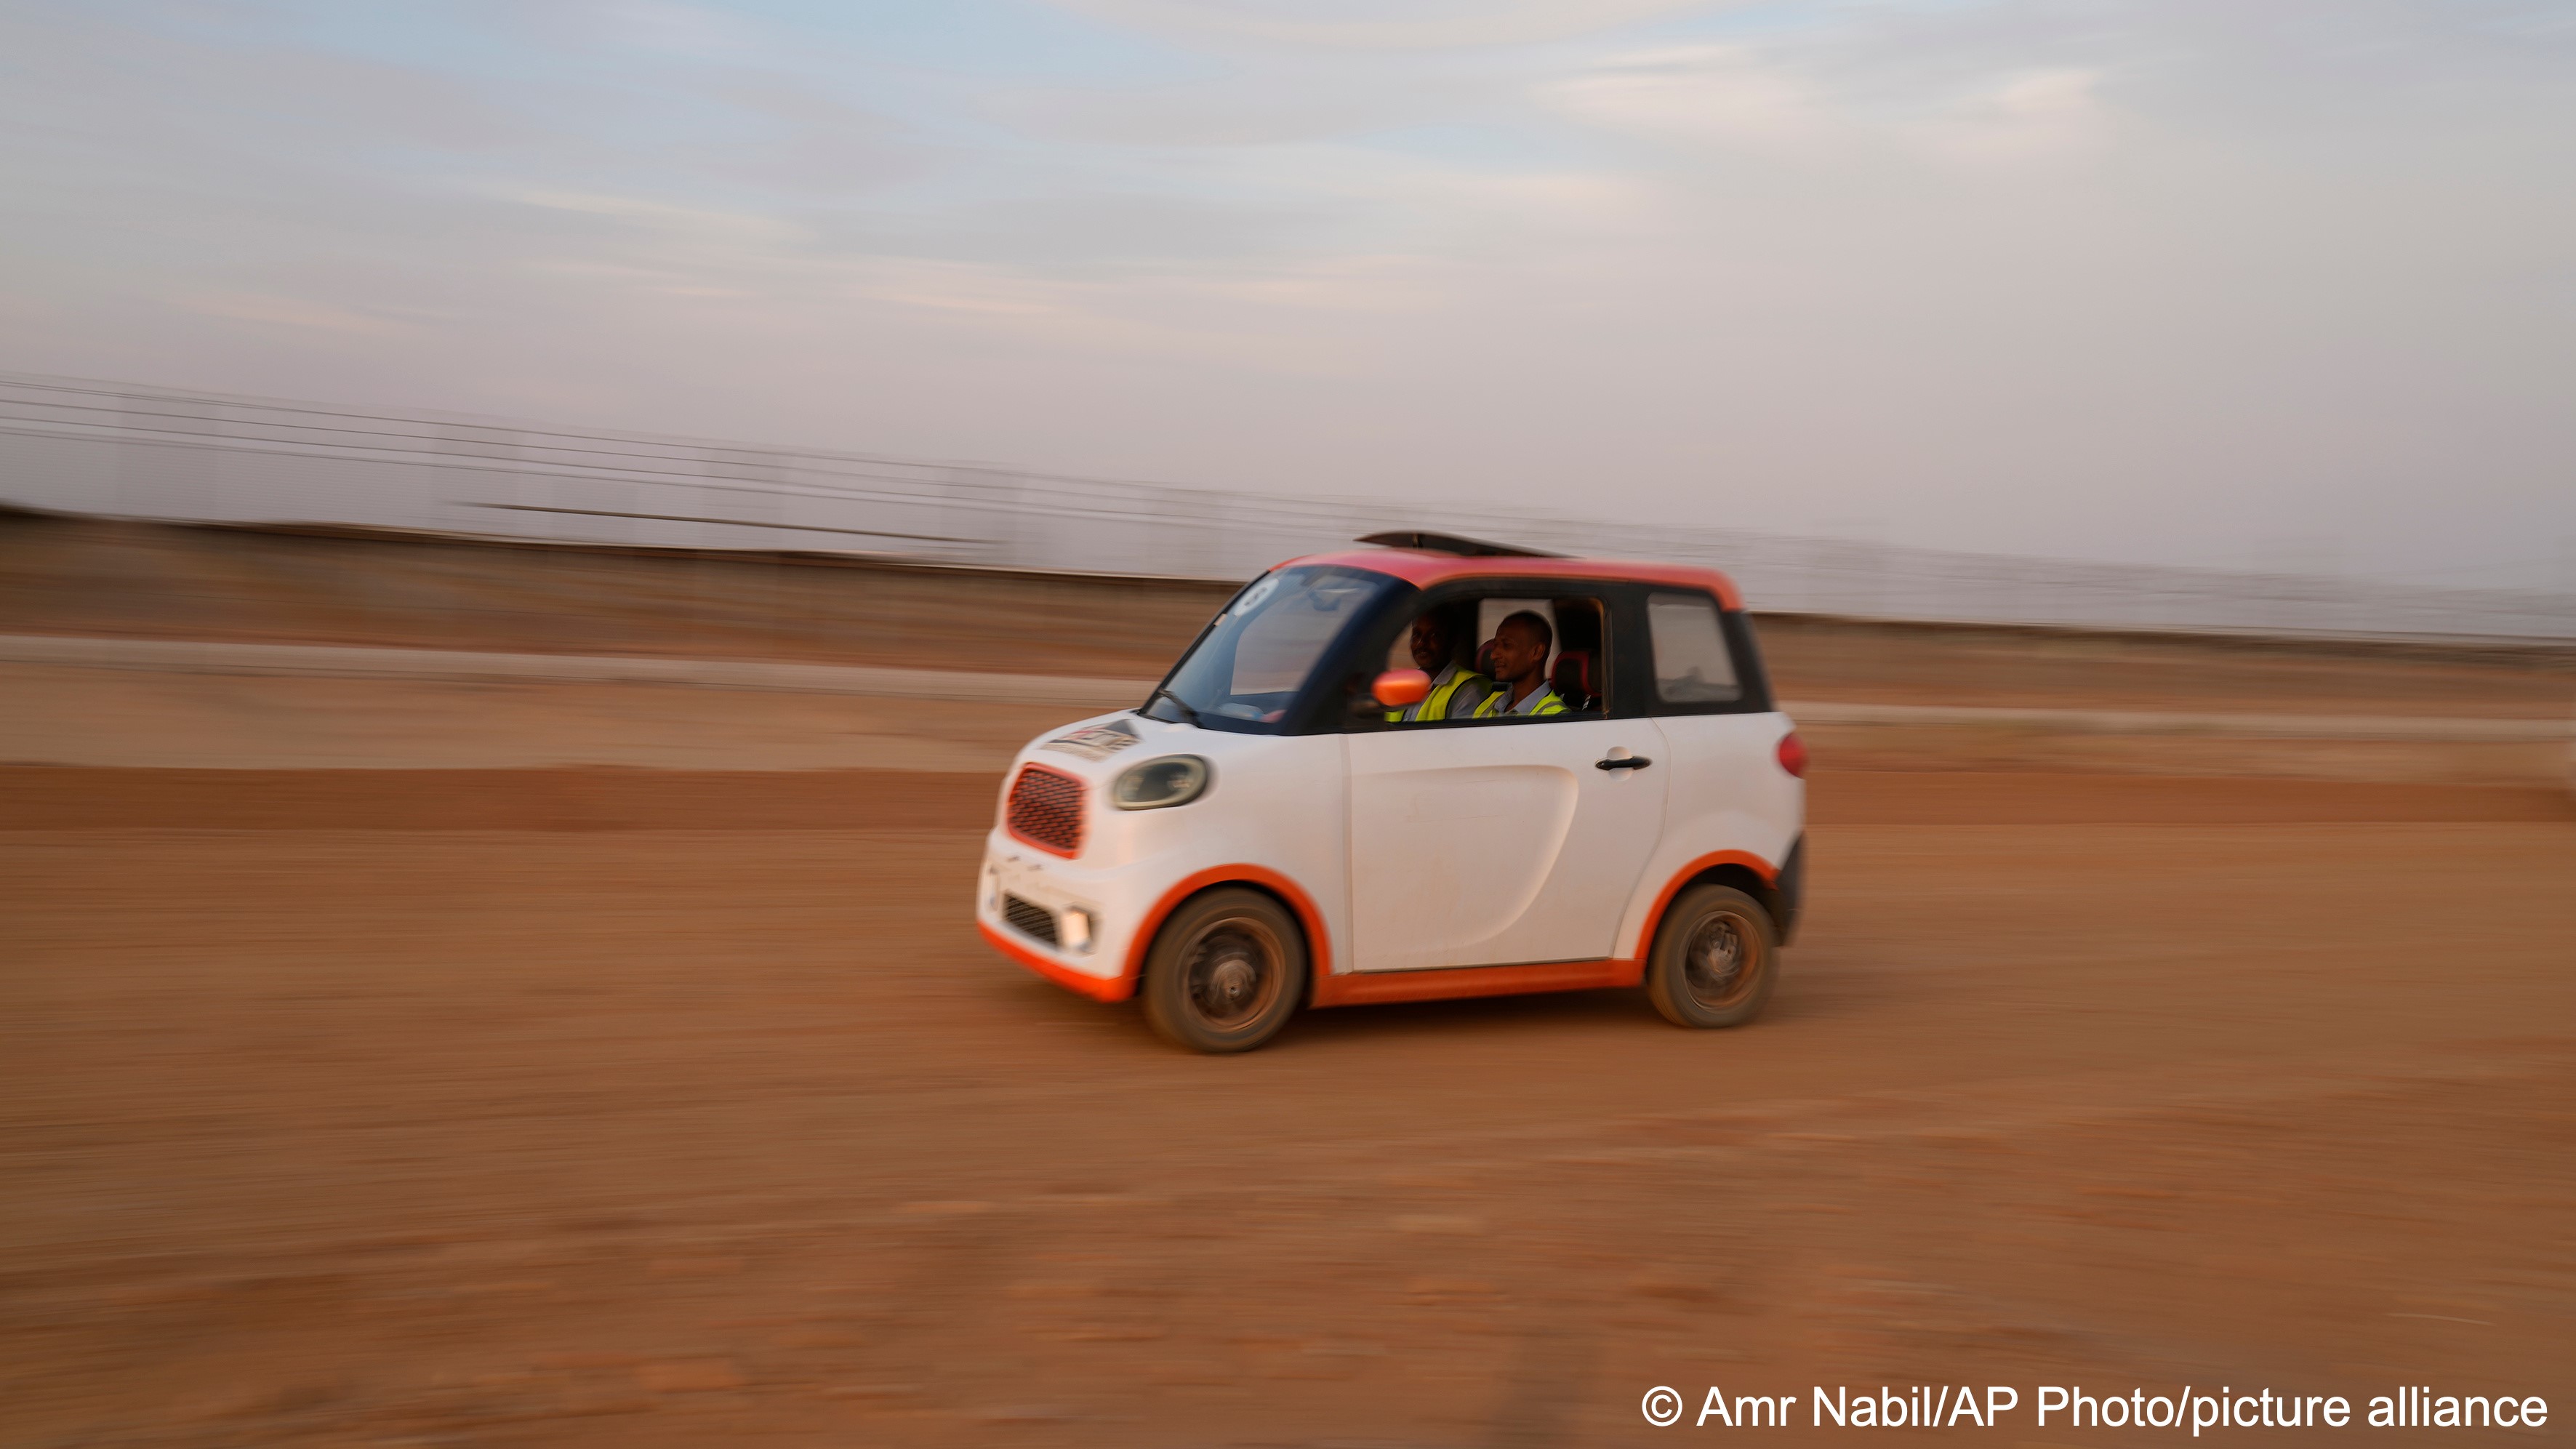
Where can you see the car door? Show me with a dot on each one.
(1498, 843)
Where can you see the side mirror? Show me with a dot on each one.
(1399, 687)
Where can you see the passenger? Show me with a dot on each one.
(1519, 653)
(1455, 691)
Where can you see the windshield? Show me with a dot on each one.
(1248, 667)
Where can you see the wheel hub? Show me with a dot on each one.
(1230, 979)
(1716, 959)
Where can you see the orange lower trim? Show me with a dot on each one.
(1363, 988)
(1319, 945)
(1098, 988)
(1655, 918)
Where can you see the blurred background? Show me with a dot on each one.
(528, 533)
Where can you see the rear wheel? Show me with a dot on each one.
(1716, 957)
(1225, 972)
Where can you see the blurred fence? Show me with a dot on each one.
(124, 450)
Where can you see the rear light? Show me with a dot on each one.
(1793, 755)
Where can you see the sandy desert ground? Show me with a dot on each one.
(574, 1104)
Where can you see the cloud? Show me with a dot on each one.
(1095, 232)
(1380, 25)
(1739, 97)
(2033, 116)
(295, 312)
(694, 225)
(697, 32)
(1715, 94)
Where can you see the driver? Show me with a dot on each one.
(1519, 653)
(1456, 692)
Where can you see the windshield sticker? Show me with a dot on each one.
(1095, 742)
(1260, 592)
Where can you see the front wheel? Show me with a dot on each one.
(1716, 957)
(1225, 972)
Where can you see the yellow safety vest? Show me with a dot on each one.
(1494, 702)
(1435, 705)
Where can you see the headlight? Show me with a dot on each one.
(1158, 784)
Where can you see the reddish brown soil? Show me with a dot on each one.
(49, 798)
(616, 1135)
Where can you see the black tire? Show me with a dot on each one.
(1716, 958)
(1226, 971)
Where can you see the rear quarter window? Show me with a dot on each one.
(1693, 666)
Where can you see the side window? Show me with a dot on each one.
(1504, 656)
(1692, 666)
(1551, 668)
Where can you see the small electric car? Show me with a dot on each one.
(1431, 768)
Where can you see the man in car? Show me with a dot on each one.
(1519, 654)
(1456, 691)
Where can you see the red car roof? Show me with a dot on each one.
(1422, 570)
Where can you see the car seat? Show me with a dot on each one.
(1572, 679)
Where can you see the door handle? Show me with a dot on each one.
(1630, 762)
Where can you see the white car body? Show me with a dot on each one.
(1420, 863)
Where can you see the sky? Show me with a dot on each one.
(2239, 283)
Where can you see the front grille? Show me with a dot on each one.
(1046, 810)
(1029, 919)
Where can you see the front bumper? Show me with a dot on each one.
(1021, 892)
